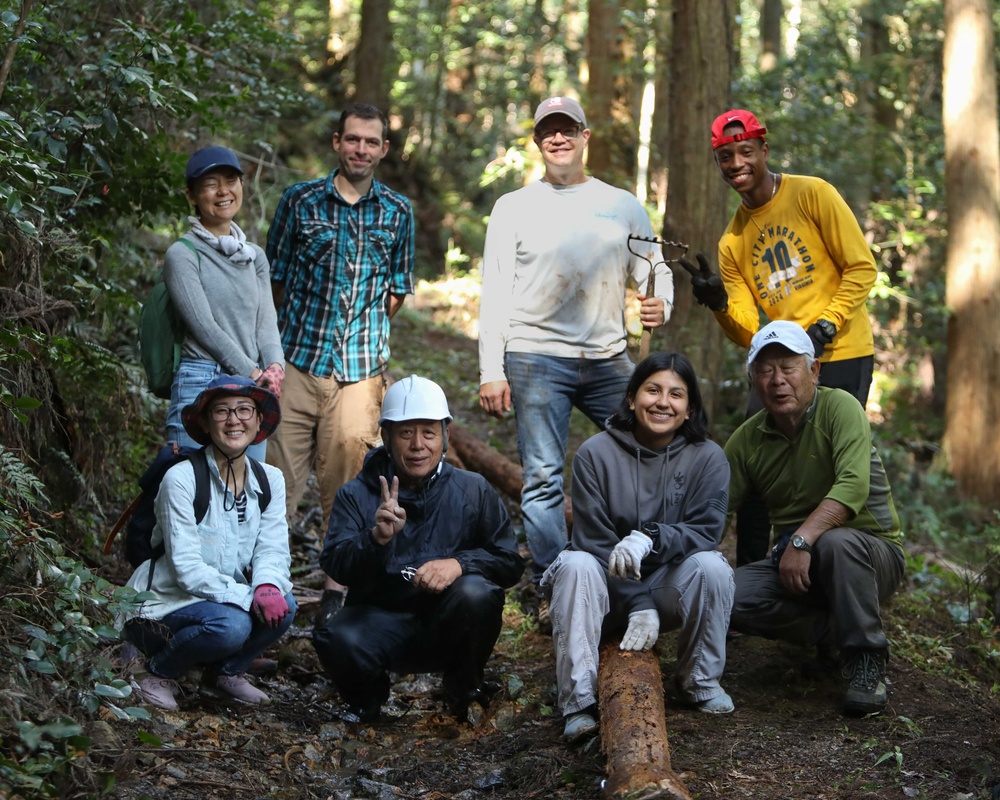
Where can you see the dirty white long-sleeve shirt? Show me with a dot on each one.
(554, 270)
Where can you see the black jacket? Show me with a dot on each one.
(454, 514)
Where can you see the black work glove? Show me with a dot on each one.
(822, 333)
(706, 285)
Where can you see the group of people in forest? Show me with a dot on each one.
(290, 345)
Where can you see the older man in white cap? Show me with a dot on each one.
(552, 319)
(838, 553)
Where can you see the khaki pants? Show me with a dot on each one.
(325, 425)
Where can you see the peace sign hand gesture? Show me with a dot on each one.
(390, 517)
(706, 285)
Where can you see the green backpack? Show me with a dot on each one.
(161, 334)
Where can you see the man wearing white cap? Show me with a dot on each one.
(839, 550)
(552, 317)
(428, 551)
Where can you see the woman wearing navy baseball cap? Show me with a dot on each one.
(220, 285)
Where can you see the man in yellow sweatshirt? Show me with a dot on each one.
(794, 250)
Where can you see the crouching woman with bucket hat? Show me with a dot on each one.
(222, 587)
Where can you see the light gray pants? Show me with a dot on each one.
(695, 596)
(852, 573)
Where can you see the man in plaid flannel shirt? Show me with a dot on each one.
(341, 256)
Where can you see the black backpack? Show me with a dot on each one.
(140, 517)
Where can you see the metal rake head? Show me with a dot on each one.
(680, 247)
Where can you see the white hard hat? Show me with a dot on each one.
(414, 398)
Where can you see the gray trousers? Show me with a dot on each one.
(694, 596)
(852, 574)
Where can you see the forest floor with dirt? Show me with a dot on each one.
(939, 737)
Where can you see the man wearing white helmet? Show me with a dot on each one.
(427, 550)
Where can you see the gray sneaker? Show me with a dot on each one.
(239, 688)
(159, 692)
(865, 673)
(579, 726)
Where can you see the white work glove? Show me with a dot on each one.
(628, 555)
(643, 628)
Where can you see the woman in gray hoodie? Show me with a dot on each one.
(649, 509)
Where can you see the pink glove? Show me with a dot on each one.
(269, 605)
(271, 378)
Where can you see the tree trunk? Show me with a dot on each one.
(771, 13)
(611, 59)
(703, 56)
(972, 182)
(370, 58)
(634, 726)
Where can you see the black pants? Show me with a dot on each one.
(753, 525)
(453, 632)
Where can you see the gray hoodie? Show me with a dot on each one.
(619, 485)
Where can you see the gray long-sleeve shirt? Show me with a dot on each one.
(227, 307)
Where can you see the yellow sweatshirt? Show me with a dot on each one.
(800, 257)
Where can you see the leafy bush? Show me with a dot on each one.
(57, 638)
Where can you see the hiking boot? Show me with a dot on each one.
(865, 673)
(159, 692)
(544, 618)
(720, 704)
(579, 726)
(465, 708)
(363, 714)
(329, 604)
(239, 688)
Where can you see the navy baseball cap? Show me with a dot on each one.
(208, 158)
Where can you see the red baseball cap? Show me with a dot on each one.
(752, 129)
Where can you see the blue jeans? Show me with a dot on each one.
(193, 375)
(219, 635)
(544, 390)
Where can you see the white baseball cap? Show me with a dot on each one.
(784, 332)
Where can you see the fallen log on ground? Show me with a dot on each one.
(504, 474)
(634, 726)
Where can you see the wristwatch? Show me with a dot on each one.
(651, 530)
(801, 544)
(828, 328)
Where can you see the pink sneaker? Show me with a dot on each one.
(159, 692)
(239, 687)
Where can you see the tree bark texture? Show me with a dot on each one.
(611, 59)
(370, 58)
(972, 182)
(634, 726)
(501, 472)
(703, 56)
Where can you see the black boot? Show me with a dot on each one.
(865, 673)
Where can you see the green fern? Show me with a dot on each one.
(18, 485)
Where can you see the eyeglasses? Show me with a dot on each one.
(243, 413)
(570, 134)
(212, 186)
